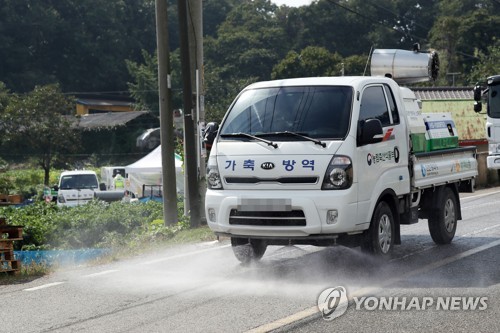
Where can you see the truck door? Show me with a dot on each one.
(384, 164)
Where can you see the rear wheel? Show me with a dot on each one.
(443, 222)
(379, 238)
(247, 250)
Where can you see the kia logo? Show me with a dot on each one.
(267, 165)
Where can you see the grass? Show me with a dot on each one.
(200, 234)
(25, 274)
(181, 237)
(186, 236)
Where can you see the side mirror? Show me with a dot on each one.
(478, 92)
(478, 106)
(55, 188)
(102, 187)
(370, 131)
(210, 133)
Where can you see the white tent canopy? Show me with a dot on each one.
(148, 171)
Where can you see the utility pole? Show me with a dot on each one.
(195, 33)
(190, 156)
(166, 116)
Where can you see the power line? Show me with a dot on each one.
(375, 21)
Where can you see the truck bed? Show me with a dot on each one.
(443, 166)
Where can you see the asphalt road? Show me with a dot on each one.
(202, 288)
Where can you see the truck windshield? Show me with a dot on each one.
(494, 101)
(314, 112)
(78, 182)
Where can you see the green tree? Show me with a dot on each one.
(462, 30)
(355, 65)
(80, 43)
(144, 85)
(312, 61)
(144, 88)
(4, 97)
(36, 127)
(248, 43)
(214, 14)
(489, 63)
(444, 37)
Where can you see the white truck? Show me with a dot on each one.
(492, 95)
(79, 187)
(76, 187)
(334, 160)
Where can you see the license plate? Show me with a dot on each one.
(264, 205)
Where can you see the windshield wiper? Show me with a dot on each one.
(269, 143)
(316, 141)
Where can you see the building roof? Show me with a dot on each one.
(443, 93)
(103, 102)
(109, 119)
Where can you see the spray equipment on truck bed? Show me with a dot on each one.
(427, 133)
(405, 66)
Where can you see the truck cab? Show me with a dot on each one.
(492, 95)
(317, 151)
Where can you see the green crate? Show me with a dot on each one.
(442, 143)
(419, 143)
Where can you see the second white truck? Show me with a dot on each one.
(491, 93)
(79, 187)
(334, 160)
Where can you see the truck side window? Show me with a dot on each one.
(494, 102)
(392, 105)
(374, 106)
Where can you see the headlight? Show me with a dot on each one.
(494, 148)
(60, 198)
(338, 175)
(214, 181)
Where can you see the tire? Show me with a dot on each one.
(248, 250)
(443, 222)
(379, 238)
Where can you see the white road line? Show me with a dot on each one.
(101, 273)
(155, 261)
(301, 315)
(479, 195)
(457, 238)
(43, 286)
(475, 232)
(478, 206)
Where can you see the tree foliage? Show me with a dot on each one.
(489, 63)
(82, 44)
(91, 45)
(312, 61)
(35, 126)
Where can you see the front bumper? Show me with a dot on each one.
(493, 162)
(314, 204)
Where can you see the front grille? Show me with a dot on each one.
(281, 180)
(268, 218)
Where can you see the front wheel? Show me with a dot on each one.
(443, 222)
(379, 238)
(247, 250)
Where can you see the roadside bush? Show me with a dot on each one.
(95, 225)
(26, 182)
